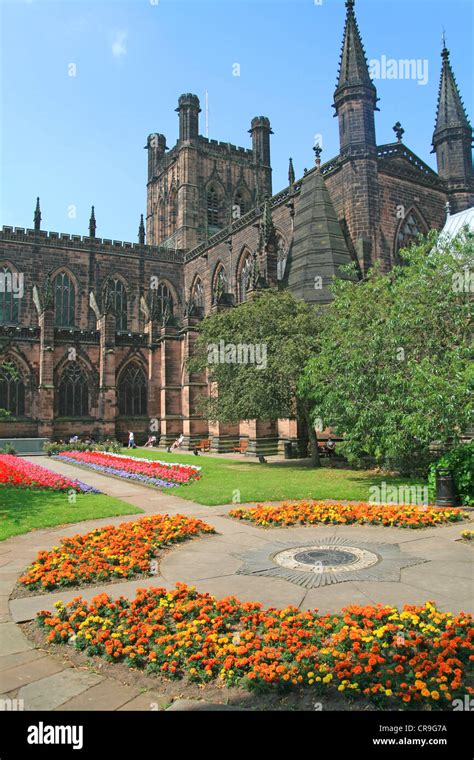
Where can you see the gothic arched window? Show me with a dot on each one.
(64, 300)
(282, 256)
(212, 208)
(173, 212)
(219, 285)
(239, 208)
(118, 294)
(164, 298)
(73, 393)
(161, 220)
(197, 295)
(132, 391)
(12, 390)
(245, 277)
(9, 296)
(410, 227)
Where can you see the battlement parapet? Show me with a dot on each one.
(226, 147)
(101, 245)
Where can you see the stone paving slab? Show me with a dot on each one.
(6, 586)
(433, 583)
(54, 690)
(107, 695)
(150, 701)
(12, 639)
(191, 565)
(399, 594)
(334, 598)
(438, 548)
(450, 568)
(29, 672)
(8, 661)
(271, 592)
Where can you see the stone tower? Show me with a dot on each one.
(200, 186)
(355, 101)
(452, 139)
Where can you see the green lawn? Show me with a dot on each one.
(225, 481)
(22, 510)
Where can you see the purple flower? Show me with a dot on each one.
(120, 473)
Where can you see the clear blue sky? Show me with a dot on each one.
(79, 140)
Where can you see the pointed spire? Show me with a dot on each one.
(92, 224)
(37, 216)
(450, 110)
(353, 69)
(291, 173)
(141, 231)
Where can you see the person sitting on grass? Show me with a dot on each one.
(151, 442)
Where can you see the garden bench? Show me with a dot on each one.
(204, 444)
(242, 447)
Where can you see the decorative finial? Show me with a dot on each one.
(317, 154)
(291, 173)
(37, 216)
(92, 224)
(448, 209)
(350, 5)
(444, 51)
(141, 231)
(399, 131)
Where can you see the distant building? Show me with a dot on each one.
(100, 330)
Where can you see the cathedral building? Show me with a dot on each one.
(100, 331)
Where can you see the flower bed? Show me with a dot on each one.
(18, 473)
(468, 535)
(148, 471)
(124, 551)
(416, 657)
(310, 513)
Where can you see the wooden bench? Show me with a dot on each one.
(242, 447)
(204, 444)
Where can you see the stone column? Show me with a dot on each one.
(46, 374)
(194, 386)
(262, 437)
(152, 330)
(170, 386)
(107, 387)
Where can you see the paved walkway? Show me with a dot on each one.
(211, 563)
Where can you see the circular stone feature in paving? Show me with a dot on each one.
(318, 559)
(330, 560)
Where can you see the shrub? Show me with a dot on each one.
(53, 449)
(460, 462)
(9, 449)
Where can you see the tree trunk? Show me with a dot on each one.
(313, 439)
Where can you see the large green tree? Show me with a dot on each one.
(282, 332)
(394, 371)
